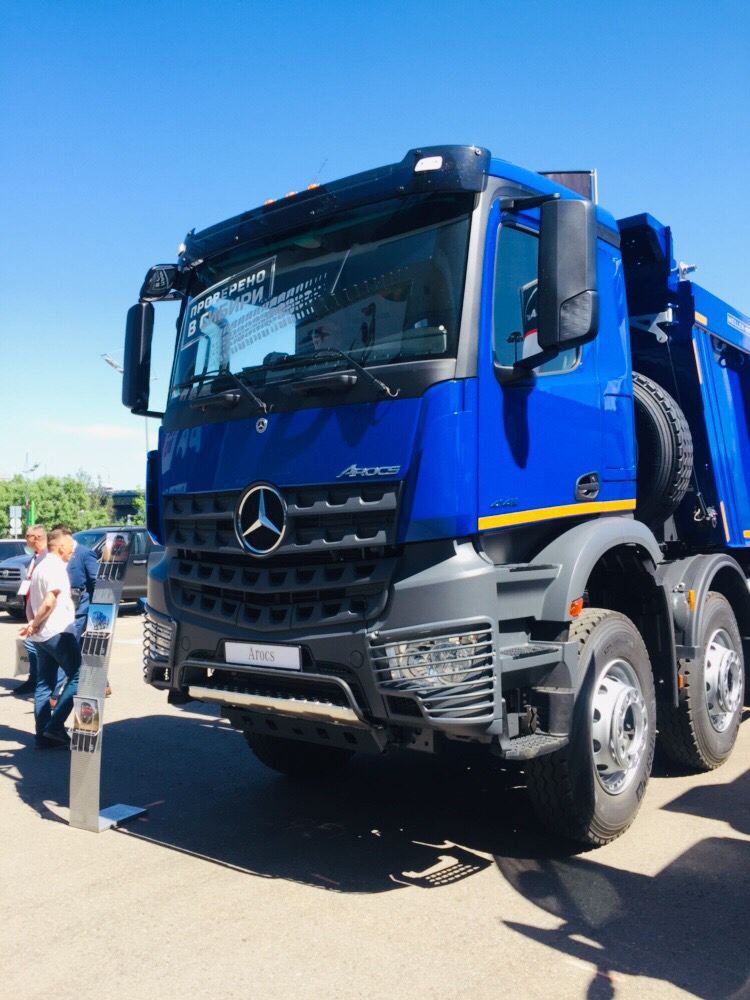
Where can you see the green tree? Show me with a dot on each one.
(77, 501)
(139, 503)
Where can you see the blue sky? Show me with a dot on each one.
(124, 125)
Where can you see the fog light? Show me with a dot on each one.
(445, 660)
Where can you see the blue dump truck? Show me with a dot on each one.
(452, 459)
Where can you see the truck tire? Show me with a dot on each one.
(591, 790)
(702, 730)
(300, 760)
(665, 452)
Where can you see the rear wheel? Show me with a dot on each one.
(592, 789)
(702, 730)
(301, 760)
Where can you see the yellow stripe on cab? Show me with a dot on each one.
(549, 513)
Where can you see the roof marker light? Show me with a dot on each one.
(428, 163)
(290, 193)
(311, 187)
(269, 201)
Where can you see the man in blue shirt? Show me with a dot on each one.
(82, 571)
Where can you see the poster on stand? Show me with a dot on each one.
(98, 631)
(87, 724)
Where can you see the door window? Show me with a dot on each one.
(514, 314)
(139, 543)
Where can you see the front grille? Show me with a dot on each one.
(400, 666)
(319, 518)
(10, 573)
(333, 567)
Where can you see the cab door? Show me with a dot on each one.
(540, 438)
(135, 581)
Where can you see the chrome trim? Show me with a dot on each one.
(295, 707)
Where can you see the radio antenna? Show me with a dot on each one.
(320, 171)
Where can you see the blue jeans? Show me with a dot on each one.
(60, 651)
(31, 650)
(80, 624)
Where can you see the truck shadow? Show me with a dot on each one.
(686, 925)
(381, 824)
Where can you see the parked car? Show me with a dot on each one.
(11, 547)
(12, 570)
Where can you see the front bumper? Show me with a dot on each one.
(9, 599)
(444, 593)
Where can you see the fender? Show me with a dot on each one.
(578, 550)
(702, 573)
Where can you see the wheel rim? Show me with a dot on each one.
(723, 679)
(619, 728)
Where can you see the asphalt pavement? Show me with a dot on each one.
(404, 878)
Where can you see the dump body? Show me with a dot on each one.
(706, 365)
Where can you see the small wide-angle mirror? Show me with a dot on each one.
(161, 282)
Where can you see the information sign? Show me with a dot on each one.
(88, 703)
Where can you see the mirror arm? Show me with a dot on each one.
(173, 296)
(523, 204)
(508, 374)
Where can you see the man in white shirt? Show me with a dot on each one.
(52, 629)
(36, 540)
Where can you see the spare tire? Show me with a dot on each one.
(665, 452)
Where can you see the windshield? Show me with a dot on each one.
(383, 284)
(89, 539)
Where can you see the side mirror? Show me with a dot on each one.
(568, 303)
(137, 362)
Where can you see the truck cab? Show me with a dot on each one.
(403, 498)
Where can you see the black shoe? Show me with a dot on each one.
(43, 743)
(56, 736)
(24, 689)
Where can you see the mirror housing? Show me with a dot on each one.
(136, 374)
(568, 301)
(163, 281)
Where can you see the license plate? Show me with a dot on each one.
(3, 597)
(263, 654)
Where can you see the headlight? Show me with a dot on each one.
(446, 660)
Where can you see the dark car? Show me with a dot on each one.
(12, 547)
(12, 571)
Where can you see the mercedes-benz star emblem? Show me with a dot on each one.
(260, 519)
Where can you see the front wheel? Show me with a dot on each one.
(702, 730)
(297, 759)
(591, 790)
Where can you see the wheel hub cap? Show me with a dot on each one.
(619, 726)
(723, 676)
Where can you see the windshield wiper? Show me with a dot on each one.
(260, 405)
(294, 360)
(360, 370)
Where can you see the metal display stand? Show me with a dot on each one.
(88, 710)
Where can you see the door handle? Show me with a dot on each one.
(588, 486)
